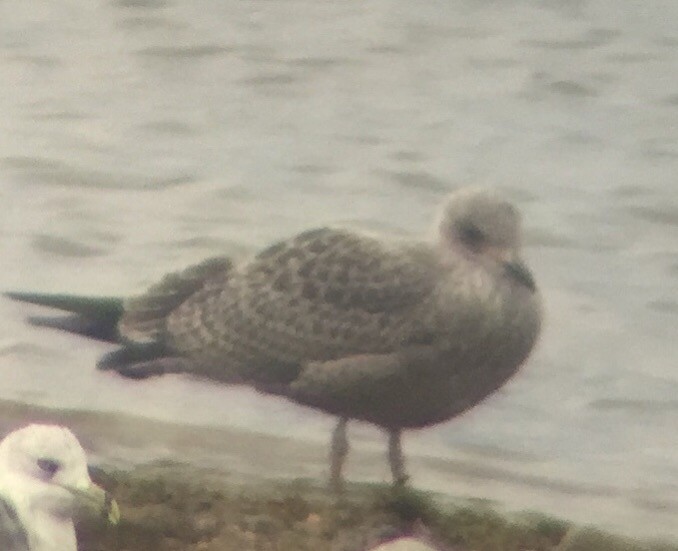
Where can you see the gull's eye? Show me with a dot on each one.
(471, 235)
(49, 466)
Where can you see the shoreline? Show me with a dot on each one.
(199, 488)
(172, 506)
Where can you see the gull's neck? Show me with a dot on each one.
(49, 533)
(45, 530)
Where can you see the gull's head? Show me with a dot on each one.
(48, 462)
(484, 228)
(44, 468)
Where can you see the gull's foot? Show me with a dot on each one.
(145, 370)
(401, 480)
(336, 486)
(338, 453)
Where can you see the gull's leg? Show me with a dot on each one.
(338, 455)
(395, 458)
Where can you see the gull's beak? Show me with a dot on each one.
(516, 269)
(513, 266)
(93, 502)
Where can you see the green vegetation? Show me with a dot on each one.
(174, 507)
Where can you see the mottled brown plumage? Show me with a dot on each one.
(402, 335)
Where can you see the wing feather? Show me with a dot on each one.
(321, 295)
(344, 271)
(144, 316)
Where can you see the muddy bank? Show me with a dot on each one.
(222, 489)
(172, 507)
(175, 507)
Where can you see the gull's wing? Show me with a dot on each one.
(323, 295)
(144, 316)
(386, 389)
(143, 323)
(114, 320)
(12, 534)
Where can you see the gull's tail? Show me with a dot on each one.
(137, 325)
(92, 317)
(98, 318)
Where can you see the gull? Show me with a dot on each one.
(44, 483)
(403, 335)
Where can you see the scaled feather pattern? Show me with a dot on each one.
(400, 334)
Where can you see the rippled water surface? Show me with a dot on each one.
(139, 136)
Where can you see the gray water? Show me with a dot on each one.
(139, 136)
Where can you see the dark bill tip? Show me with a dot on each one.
(521, 274)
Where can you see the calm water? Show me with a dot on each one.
(138, 136)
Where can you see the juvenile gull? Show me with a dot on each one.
(43, 483)
(402, 335)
